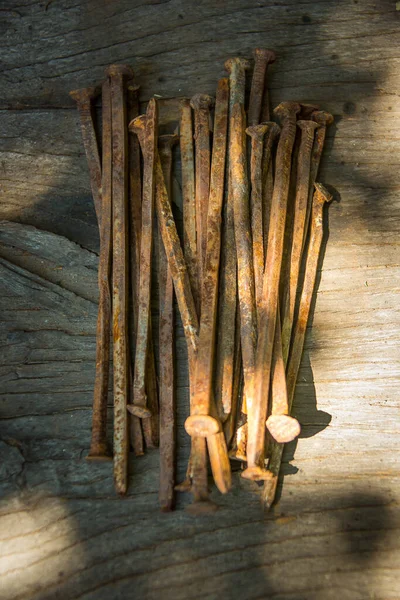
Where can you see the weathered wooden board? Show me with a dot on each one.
(63, 532)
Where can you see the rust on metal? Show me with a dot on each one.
(189, 197)
(257, 412)
(99, 449)
(205, 355)
(270, 139)
(228, 325)
(167, 346)
(149, 151)
(299, 231)
(262, 58)
(321, 196)
(118, 74)
(83, 99)
(151, 425)
(244, 255)
(135, 224)
(306, 111)
(201, 104)
(257, 133)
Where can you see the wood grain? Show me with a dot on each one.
(63, 532)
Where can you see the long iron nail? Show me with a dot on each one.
(83, 99)
(257, 133)
(117, 75)
(240, 191)
(99, 449)
(321, 196)
(228, 341)
(167, 345)
(201, 104)
(189, 197)
(299, 230)
(258, 413)
(135, 222)
(262, 58)
(306, 111)
(149, 150)
(205, 355)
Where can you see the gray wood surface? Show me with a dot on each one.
(63, 532)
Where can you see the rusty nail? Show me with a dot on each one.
(299, 230)
(166, 342)
(228, 339)
(321, 196)
(83, 99)
(149, 151)
(240, 192)
(99, 449)
(201, 104)
(257, 133)
(205, 354)
(135, 217)
(257, 409)
(117, 75)
(262, 58)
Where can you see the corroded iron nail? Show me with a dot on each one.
(299, 230)
(257, 133)
(149, 151)
(189, 196)
(280, 424)
(135, 222)
(201, 104)
(151, 426)
(99, 449)
(118, 75)
(240, 192)
(228, 326)
(262, 58)
(209, 296)
(167, 345)
(83, 99)
(257, 411)
(321, 196)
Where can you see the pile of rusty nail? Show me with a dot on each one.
(243, 274)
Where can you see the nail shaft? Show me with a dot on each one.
(189, 197)
(167, 346)
(149, 150)
(299, 230)
(321, 196)
(135, 221)
(201, 104)
(117, 73)
(99, 448)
